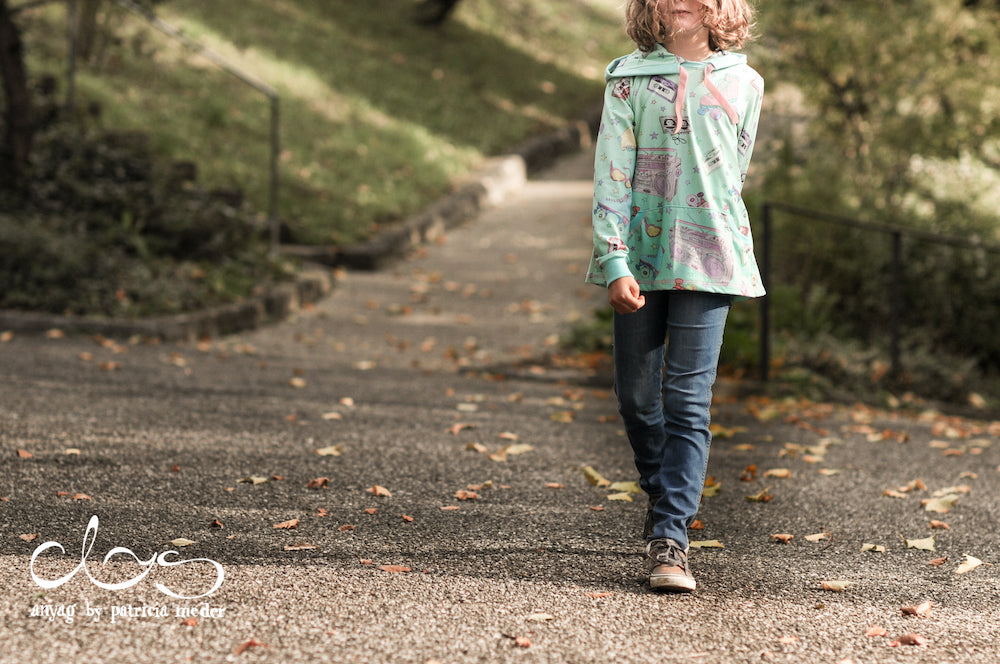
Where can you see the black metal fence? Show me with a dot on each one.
(896, 277)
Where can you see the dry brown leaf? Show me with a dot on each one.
(598, 595)
(909, 640)
(450, 508)
(939, 525)
(595, 477)
(319, 483)
(81, 496)
(287, 525)
(553, 485)
(454, 429)
(182, 541)
(780, 473)
(875, 630)
(216, 524)
(29, 538)
(522, 642)
(332, 450)
(246, 645)
(24, 454)
(300, 547)
(462, 494)
(371, 510)
(190, 622)
(749, 473)
(923, 609)
(394, 569)
(817, 537)
(970, 564)
(346, 527)
(764, 496)
(784, 538)
(788, 640)
(380, 491)
(937, 562)
(407, 518)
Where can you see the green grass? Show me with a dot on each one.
(379, 116)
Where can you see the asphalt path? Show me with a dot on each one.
(396, 474)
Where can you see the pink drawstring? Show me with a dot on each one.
(679, 101)
(719, 97)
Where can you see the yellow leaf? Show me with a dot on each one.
(969, 564)
(780, 473)
(333, 450)
(872, 547)
(940, 505)
(521, 448)
(180, 541)
(817, 537)
(926, 544)
(620, 496)
(723, 433)
(297, 382)
(627, 487)
(706, 544)
(595, 477)
(835, 586)
(379, 491)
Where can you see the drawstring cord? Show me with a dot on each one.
(712, 89)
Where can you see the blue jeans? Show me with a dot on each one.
(665, 395)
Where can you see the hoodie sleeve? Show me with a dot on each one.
(748, 125)
(614, 166)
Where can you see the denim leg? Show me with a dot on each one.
(666, 409)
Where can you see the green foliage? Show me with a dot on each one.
(379, 115)
(101, 230)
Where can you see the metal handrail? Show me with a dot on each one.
(245, 77)
(897, 233)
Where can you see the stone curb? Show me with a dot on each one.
(483, 189)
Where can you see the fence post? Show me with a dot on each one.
(765, 302)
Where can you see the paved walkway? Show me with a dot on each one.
(424, 384)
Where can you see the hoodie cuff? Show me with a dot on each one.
(615, 269)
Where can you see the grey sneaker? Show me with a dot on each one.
(667, 564)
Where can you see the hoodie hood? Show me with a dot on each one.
(661, 62)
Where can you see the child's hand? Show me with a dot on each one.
(624, 295)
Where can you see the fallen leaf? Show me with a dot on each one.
(697, 524)
(620, 496)
(937, 562)
(371, 510)
(835, 586)
(380, 491)
(507, 435)
(300, 547)
(598, 595)
(780, 473)
(318, 483)
(454, 429)
(29, 538)
(6, 336)
(817, 537)
(346, 528)
(522, 642)
(892, 493)
(553, 485)
(627, 487)
(450, 508)
(706, 544)
(595, 477)
(297, 382)
(926, 544)
(513, 450)
(541, 617)
(466, 495)
(407, 518)
(872, 547)
(81, 496)
(180, 541)
(875, 630)
(749, 473)
(784, 538)
(969, 564)
(333, 450)
(940, 505)
(394, 569)
(332, 415)
(923, 609)
(287, 525)
(830, 471)
(477, 447)
(246, 645)
(763, 497)
(711, 488)
(190, 622)
(908, 640)
(255, 479)
(24, 454)
(321, 512)
(724, 433)
(939, 525)
(216, 524)
(788, 640)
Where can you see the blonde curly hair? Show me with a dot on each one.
(729, 23)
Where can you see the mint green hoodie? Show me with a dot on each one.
(672, 154)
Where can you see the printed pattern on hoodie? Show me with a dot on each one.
(672, 155)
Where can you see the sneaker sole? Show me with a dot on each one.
(672, 583)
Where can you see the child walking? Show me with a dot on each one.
(672, 243)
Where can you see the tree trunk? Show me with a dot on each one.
(86, 29)
(18, 127)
